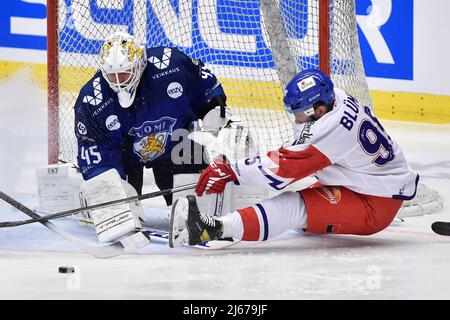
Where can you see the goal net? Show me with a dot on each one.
(254, 47)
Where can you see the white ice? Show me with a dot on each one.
(405, 261)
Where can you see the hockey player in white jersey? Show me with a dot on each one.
(362, 173)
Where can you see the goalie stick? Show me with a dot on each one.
(66, 213)
(442, 228)
(105, 251)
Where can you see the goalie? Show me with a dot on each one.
(363, 173)
(126, 117)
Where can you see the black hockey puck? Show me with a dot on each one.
(66, 269)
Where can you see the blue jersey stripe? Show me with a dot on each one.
(403, 197)
(266, 224)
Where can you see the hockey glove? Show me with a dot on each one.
(214, 178)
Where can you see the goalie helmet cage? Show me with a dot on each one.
(249, 49)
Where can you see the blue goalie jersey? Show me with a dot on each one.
(173, 92)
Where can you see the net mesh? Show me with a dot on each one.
(233, 38)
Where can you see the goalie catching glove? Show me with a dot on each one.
(215, 177)
(228, 136)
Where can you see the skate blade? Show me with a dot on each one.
(219, 244)
(178, 233)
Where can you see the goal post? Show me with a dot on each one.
(254, 47)
(52, 82)
(324, 36)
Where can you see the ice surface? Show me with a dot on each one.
(405, 261)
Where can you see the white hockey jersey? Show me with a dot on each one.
(347, 147)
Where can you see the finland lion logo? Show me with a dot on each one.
(150, 139)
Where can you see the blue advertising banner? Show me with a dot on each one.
(28, 12)
(385, 30)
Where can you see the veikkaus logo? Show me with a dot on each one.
(98, 97)
(112, 123)
(174, 90)
(166, 73)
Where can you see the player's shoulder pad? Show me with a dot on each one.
(171, 53)
(164, 57)
(156, 51)
(161, 53)
(94, 92)
(189, 59)
(340, 96)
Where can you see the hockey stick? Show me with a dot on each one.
(66, 213)
(105, 251)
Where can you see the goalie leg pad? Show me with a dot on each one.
(426, 201)
(115, 221)
(58, 187)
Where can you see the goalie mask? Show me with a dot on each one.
(122, 62)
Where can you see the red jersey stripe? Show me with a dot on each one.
(298, 164)
(250, 223)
